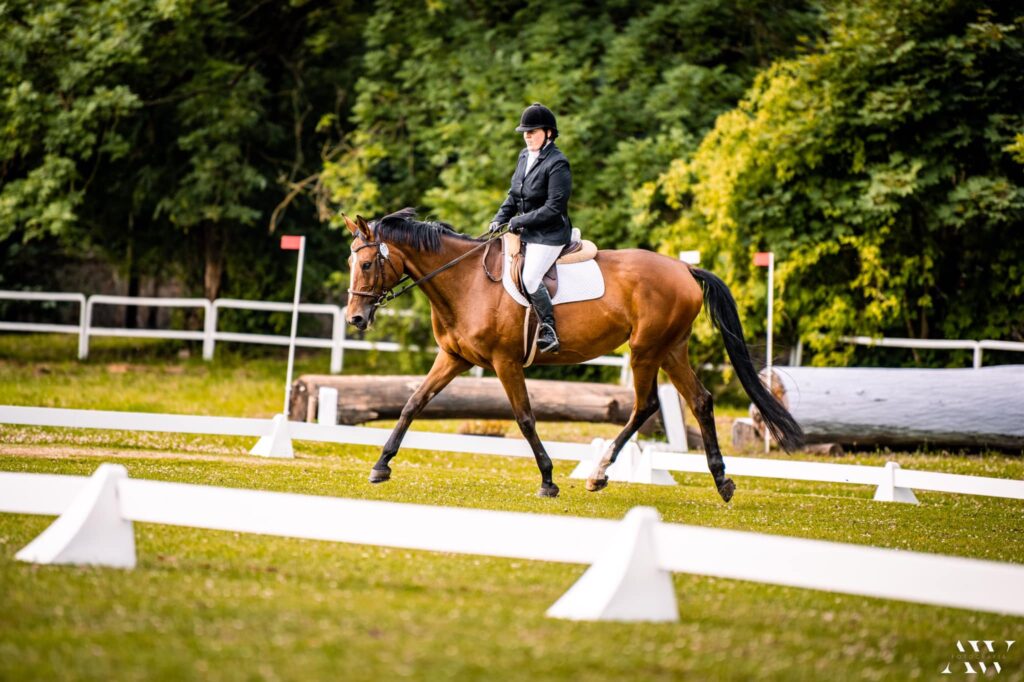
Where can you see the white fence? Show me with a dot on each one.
(629, 560)
(977, 348)
(338, 343)
(650, 464)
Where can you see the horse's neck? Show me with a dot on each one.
(448, 290)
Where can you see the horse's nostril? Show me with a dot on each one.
(356, 320)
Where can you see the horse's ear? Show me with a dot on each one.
(363, 226)
(352, 226)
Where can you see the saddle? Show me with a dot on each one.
(576, 254)
(577, 251)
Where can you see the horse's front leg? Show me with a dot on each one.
(510, 372)
(446, 367)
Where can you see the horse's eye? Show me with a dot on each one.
(366, 265)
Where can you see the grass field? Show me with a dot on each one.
(210, 605)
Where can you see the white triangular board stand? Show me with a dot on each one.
(621, 470)
(625, 583)
(672, 417)
(631, 466)
(91, 530)
(278, 443)
(888, 492)
(644, 471)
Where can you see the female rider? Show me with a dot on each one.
(537, 207)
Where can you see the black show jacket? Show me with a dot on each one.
(538, 201)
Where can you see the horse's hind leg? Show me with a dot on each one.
(645, 384)
(677, 365)
(446, 367)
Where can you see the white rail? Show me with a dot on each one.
(630, 557)
(50, 297)
(633, 465)
(338, 343)
(977, 348)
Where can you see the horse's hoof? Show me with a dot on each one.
(727, 489)
(380, 475)
(548, 490)
(595, 484)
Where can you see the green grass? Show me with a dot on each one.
(213, 605)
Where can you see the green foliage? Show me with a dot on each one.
(61, 97)
(877, 147)
(633, 87)
(883, 169)
(162, 135)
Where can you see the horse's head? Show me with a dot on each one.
(375, 269)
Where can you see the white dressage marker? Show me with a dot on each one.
(278, 443)
(625, 583)
(91, 530)
(888, 491)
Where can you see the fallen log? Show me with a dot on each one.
(906, 408)
(747, 436)
(369, 398)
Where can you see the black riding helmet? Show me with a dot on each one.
(537, 116)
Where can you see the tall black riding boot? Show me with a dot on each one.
(547, 341)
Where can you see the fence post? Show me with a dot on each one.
(209, 330)
(337, 338)
(626, 371)
(83, 325)
(977, 354)
(83, 337)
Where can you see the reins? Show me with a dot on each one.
(386, 296)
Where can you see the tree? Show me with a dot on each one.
(634, 86)
(163, 134)
(883, 169)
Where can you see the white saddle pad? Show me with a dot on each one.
(576, 282)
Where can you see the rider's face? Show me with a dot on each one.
(535, 139)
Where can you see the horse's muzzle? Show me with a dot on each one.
(359, 322)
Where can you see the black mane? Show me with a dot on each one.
(401, 227)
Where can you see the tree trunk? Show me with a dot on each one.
(213, 271)
(906, 408)
(368, 398)
(131, 312)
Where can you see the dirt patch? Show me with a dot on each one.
(66, 452)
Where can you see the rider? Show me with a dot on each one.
(537, 207)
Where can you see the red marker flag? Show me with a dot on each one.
(762, 258)
(291, 242)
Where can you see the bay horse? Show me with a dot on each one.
(650, 300)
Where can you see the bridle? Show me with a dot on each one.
(377, 290)
(384, 295)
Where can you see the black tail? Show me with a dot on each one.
(722, 308)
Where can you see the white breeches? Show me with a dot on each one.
(539, 258)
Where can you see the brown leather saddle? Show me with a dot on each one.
(576, 251)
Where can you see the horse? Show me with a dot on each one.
(650, 300)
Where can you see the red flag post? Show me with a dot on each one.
(766, 259)
(293, 242)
